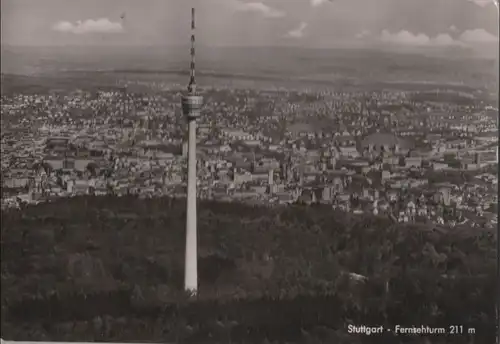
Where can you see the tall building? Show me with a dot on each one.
(270, 177)
(477, 158)
(192, 103)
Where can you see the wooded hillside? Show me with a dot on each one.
(111, 269)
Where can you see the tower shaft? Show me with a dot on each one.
(191, 259)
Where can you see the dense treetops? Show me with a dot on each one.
(111, 268)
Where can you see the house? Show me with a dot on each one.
(413, 162)
(456, 144)
(55, 163)
(308, 196)
(439, 166)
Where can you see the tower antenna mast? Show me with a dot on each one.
(192, 80)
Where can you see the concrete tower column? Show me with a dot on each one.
(191, 274)
(191, 106)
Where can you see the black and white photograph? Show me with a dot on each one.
(249, 171)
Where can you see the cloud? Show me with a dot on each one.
(363, 34)
(258, 7)
(102, 25)
(404, 37)
(298, 32)
(444, 39)
(316, 3)
(477, 36)
(467, 38)
(453, 28)
(407, 38)
(484, 3)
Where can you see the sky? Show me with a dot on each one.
(304, 23)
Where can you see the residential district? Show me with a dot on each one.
(405, 155)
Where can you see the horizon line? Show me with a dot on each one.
(353, 45)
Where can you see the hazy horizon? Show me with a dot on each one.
(130, 56)
(298, 38)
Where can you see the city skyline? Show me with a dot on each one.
(300, 23)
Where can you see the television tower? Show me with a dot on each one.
(192, 103)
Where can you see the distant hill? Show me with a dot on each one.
(111, 269)
(365, 65)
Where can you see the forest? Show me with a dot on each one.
(111, 269)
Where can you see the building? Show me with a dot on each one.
(385, 142)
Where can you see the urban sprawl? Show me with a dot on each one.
(393, 153)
